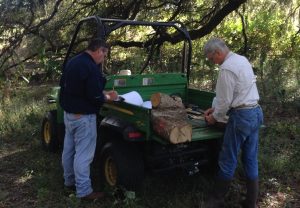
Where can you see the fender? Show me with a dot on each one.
(116, 125)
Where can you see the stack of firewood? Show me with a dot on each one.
(169, 118)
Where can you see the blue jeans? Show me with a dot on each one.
(78, 152)
(241, 134)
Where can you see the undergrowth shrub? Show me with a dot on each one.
(21, 116)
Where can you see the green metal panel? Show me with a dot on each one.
(54, 93)
(148, 84)
(206, 133)
(133, 114)
(54, 96)
(203, 99)
(201, 131)
(60, 113)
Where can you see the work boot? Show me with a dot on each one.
(93, 196)
(70, 188)
(216, 200)
(252, 194)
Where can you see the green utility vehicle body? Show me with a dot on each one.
(140, 117)
(127, 145)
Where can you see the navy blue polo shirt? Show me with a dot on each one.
(82, 85)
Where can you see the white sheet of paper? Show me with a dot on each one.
(133, 97)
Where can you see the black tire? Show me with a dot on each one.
(215, 148)
(122, 165)
(49, 132)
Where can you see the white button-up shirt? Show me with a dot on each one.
(236, 85)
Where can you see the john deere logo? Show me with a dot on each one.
(140, 123)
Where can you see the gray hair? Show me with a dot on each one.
(215, 44)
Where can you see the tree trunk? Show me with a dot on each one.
(6, 92)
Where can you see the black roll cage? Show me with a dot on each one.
(106, 26)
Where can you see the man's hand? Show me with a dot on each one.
(210, 119)
(208, 111)
(111, 95)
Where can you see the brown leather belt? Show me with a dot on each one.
(77, 115)
(244, 106)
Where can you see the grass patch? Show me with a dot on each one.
(31, 177)
(20, 116)
(280, 148)
(279, 162)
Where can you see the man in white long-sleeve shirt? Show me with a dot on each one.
(236, 97)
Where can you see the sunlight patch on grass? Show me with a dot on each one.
(275, 200)
(23, 179)
(278, 194)
(7, 152)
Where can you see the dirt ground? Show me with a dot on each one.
(20, 169)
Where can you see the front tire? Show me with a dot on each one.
(49, 132)
(122, 165)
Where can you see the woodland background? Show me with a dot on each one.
(34, 37)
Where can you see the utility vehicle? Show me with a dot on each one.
(127, 146)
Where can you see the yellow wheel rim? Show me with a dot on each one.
(110, 171)
(47, 133)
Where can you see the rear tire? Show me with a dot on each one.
(49, 132)
(122, 165)
(215, 148)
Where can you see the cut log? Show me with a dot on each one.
(161, 100)
(174, 114)
(174, 131)
(169, 118)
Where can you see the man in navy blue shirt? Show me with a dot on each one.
(81, 96)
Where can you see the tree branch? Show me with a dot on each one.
(216, 19)
(244, 34)
(213, 18)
